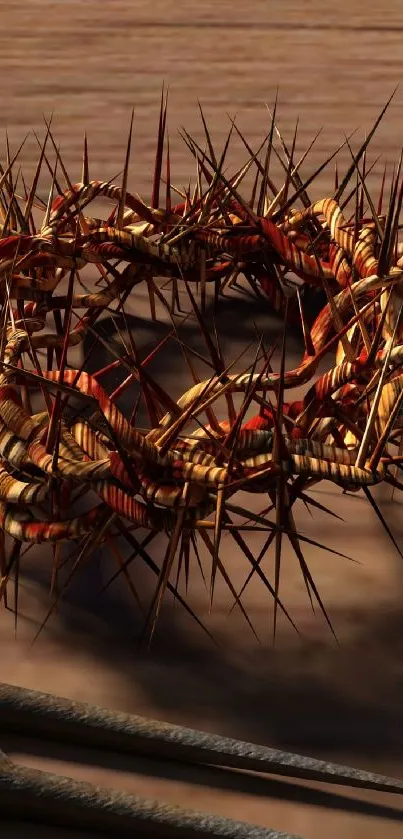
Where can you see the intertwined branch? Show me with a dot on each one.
(179, 476)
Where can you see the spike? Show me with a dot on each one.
(122, 201)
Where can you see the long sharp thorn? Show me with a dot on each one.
(159, 153)
(289, 175)
(380, 200)
(358, 156)
(166, 568)
(51, 192)
(381, 518)
(309, 347)
(387, 241)
(221, 568)
(208, 138)
(281, 212)
(168, 201)
(85, 174)
(122, 200)
(32, 193)
(263, 189)
(364, 189)
(366, 440)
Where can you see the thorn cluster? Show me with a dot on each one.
(171, 478)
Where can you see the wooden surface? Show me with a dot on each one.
(90, 63)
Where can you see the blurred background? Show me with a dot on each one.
(334, 67)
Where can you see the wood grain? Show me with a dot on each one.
(335, 66)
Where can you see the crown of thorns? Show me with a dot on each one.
(179, 476)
